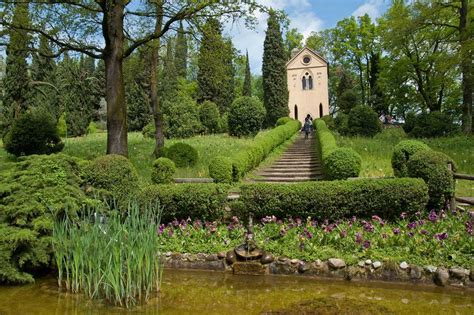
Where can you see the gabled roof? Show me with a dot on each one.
(307, 50)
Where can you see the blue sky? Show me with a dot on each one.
(306, 16)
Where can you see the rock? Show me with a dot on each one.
(336, 263)
(221, 255)
(430, 269)
(318, 263)
(230, 257)
(459, 273)
(368, 262)
(294, 261)
(248, 268)
(376, 264)
(267, 258)
(201, 257)
(282, 258)
(416, 272)
(302, 267)
(168, 254)
(283, 268)
(471, 274)
(441, 277)
(404, 265)
(361, 264)
(212, 257)
(191, 258)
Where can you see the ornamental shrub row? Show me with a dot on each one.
(182, 201)
(334, 200)
(263, 144)
(338, 163)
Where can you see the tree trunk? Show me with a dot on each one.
(112, 26)
(154, 101)
(466, 67)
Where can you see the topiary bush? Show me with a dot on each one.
(92, 128)
(432, 167)
(182, 154)
(220, 169)
(195, 201)
(35, 190)
(245, 116)
(329, 120)
(326, 140)
(334, 200)
(392, 135)
(364, 121)
(163, 171)
(61, 126)
(433, 124)
(282, 121)
(342, 163)
(342, 123)
(113, 173)
(149, 130)
(402, 153)
(34, 132)
(181, 117)
(209, 116)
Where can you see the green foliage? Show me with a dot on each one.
(335, 200)
(264, 143)
(181, 117)
(138, 107)
(61, 126)
(432, 167)
(149, 130)
(34, 132)
(275, 88)
(196, 201)
(181, 52)
(326, 141)
(114, 174)
(169, 83)
(209, 116)
(220, 169)
(430, 125)
(245, 116)
(329, 120)
(342, 123)
(342, 163)
(163, 171)
(35, 190)
(182, 154)
(347, 101)
(92, 128)
(282, 120)
(402, 153)
(392, 135)
(364, 121)
(247, 87)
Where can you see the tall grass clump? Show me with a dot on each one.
(111, 257)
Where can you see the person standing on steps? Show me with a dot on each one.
(308, 126)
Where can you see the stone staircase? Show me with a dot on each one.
(299, 163)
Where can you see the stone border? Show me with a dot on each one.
(332, 268)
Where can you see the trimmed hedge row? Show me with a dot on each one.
(338, 163)
(182, 201)
(333, 200)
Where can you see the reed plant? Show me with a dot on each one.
(113, 257)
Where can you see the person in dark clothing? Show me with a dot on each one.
(308, 126)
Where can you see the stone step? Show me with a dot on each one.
(289, 179)
(292, 168)
(296, 164)
(289, 174)
(302, 160)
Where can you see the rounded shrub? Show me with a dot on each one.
(163, 171)
(34, 132)
(113, 173)
(433, 124)
(432, 167)
(182, 154)
(342, 163)
(220, 169)
(209, 116)
(329, 120)
(149, 130)
(402, 153)
(342, 123)
(181, 117)
(364, 121)
(92, 128)
(246, 116)
(392, 135)
(61, 126)
(282, 121)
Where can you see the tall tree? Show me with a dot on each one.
(16, 81)
(293, 40)
(247, 88)
(275, 88)
(169, 85)
(181, 52)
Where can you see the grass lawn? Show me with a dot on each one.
(376, 156)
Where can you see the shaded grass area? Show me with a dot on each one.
(141, 149)
(377, 153)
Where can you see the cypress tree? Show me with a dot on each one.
(17, 82)
(181, 53)
(227, 90)
(275, 88)
(247, 89)
(169, 83)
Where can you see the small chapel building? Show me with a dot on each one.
(307, 73)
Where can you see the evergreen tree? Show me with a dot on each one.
(138, 105)
(181, 53)
(347, 98)
(275, 88)
(169, 82)
(227, 93)
(247, 89)
(16, 82)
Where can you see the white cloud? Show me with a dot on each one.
(300, 14)
(372, 7)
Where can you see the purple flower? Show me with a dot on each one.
(366, 244)
(161, 228)
(197, 224)
(279, 222)
(384, 235)
(329, 228)
(308, 234)
(411, 225)
(441, 236)
(469, 227)
(343, 233)
(403, 215)
(231, 227)
(396, 231)
(424, 232)
(358, 239)
(421, 222)
(411, 234)
(170, 232)
(432, 216)
(175, 222)
(298, 221)
(353, 219)
(367, 226)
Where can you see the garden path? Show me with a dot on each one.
(299, 163)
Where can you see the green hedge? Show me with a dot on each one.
(263, 144)
(338, 163)
(163, 171)
(402, 153)
(220, 169)
(182, 201)
(334, 200)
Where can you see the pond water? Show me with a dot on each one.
(193, 292)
